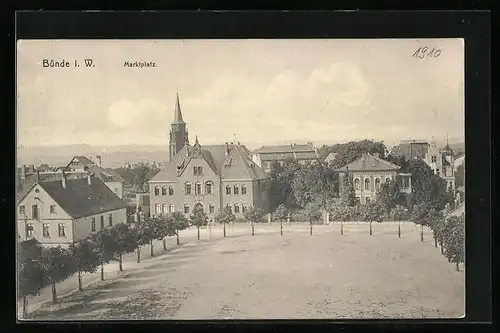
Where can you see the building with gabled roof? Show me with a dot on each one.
(211, 176)
(61, 212)
(368, 172)
(77, 168)
(266, 156)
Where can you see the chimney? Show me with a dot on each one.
(98, 157)
(63, 180)
(37, 175)
(227, 149)
(239, 143)
(23, 172)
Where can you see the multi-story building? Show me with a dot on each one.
(411, 149)
(266, 156)
(442, 161)
(212, 176)
(68, 210)
(369, 172)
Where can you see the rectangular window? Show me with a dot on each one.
(110, 220)
(52, 209)
(197, 170)
(157, 208)
(188, 189)
(433, 159)
(236, 208)
(243, 190)
(157, 190)
(92, 226)
(186, 209)
(208, 188)
(46, 230)
(29, 230)
(228, 189)
(34, 212)
(170, 190)
(444, 171)
(22, 210)
(102, 222)
(230, 208)
(62, 229)
(163, 190)
(164, 208)
(236, 189)
(211, 208)
(243, 208)
(171, 208)
(197, 188)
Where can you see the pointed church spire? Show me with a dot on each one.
(177, 112)
(196, 143)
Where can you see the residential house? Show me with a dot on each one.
(266, 156)
(212, 176)
(411, 149)
(369, 172)
(64, 211)
(442, 163)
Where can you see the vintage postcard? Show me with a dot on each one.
(240, 179)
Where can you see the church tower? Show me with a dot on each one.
(178, 133)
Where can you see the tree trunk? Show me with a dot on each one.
(102, 271)
(435, 240)
(177, 234)
(399, 229)
(458, 267)
(80, 287)
(25, 306)
(198, 227)
(120, 262)
(139, 254)
(341, 228)
(371, 231)
(54, 293)
(310, 228)
(442, 249)
(281, 227)
(224, 227)
(253, 230)
(210, 231)
(165, 243)
(151, 249)
(421, 232)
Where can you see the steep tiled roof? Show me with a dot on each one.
(237, 165)
(369, 163)
(411, 150)
(82, 160)
(284, 149)
(79, 199)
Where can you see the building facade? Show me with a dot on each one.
(442, 163)
(266, 156)
(369, 172)
(63, 212)
(212, 177)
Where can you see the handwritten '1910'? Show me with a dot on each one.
(425, 52)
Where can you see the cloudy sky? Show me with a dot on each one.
(264, 91)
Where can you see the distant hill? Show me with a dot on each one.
(112, 157)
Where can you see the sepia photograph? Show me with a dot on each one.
(226, 179)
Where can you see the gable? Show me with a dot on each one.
(188, 171)
(37, 195)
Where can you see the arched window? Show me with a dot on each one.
(388, 179)
(164, 209)
(197, 188)
(208, 187)
(157, 208)
(186, 208)
(198, 204)
(170, 190)
(243, 189)
(367, 184)
(236, 189)
(163, 190)
(377, 184)
(171, 208)
(157, 190)
(356, 184)
(187, 187)
(228, 189)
